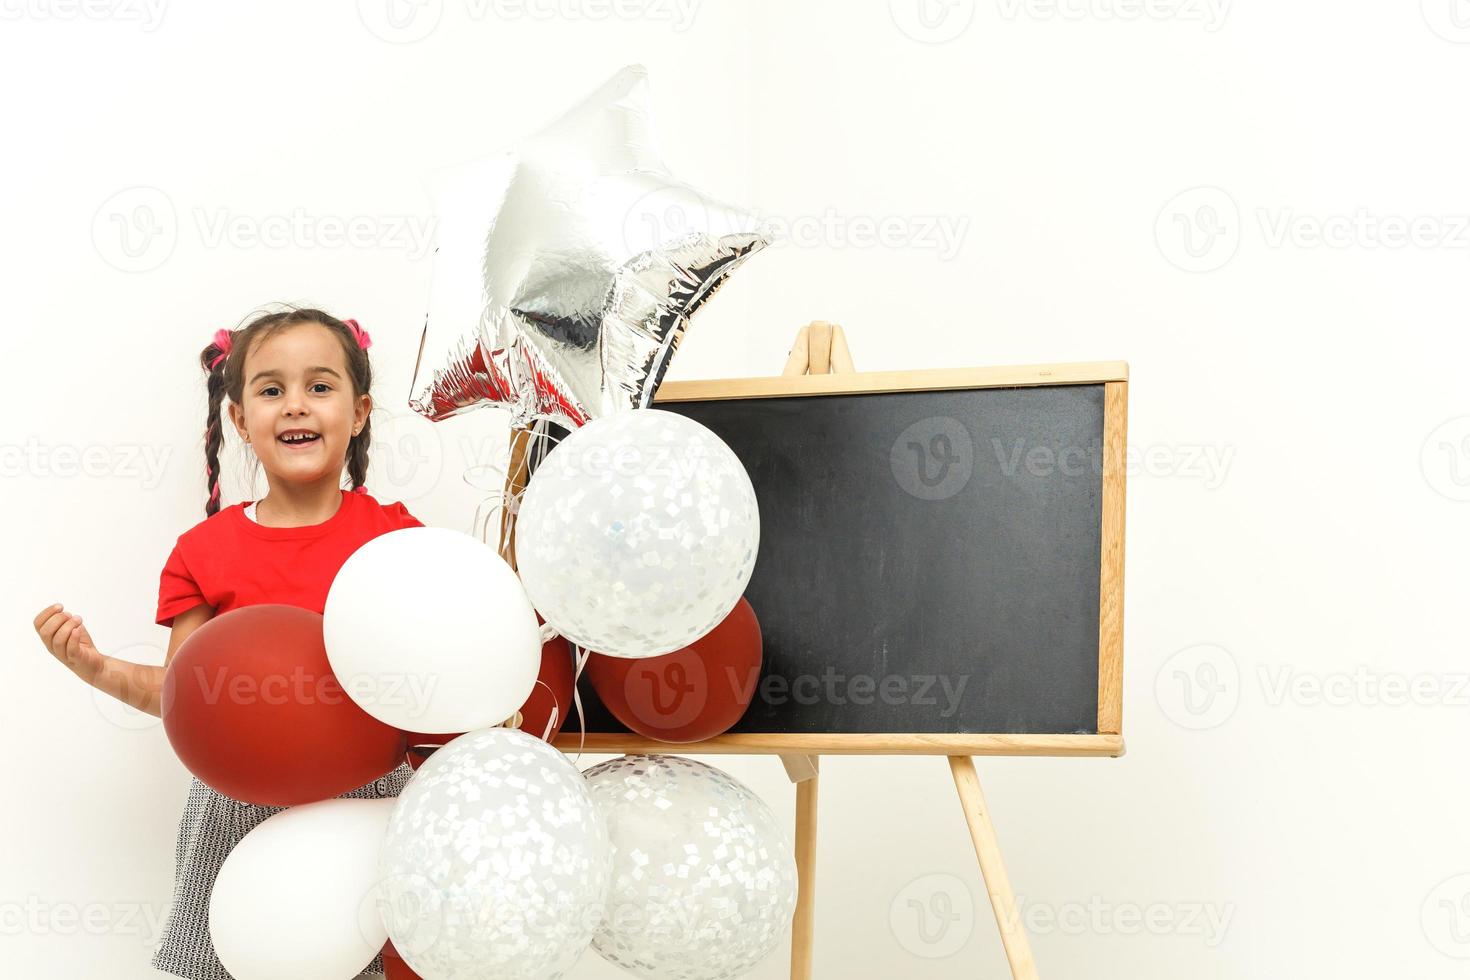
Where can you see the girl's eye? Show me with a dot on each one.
(274, 388)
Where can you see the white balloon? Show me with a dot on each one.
(638, 533)
(296, 897)
(429, 630)
(704, 875)
(495, 863)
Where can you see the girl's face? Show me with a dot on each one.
(297, 382)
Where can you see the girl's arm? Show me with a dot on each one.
(138, 685)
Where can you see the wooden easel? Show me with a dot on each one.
(821, 348)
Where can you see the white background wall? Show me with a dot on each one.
(1209, 191)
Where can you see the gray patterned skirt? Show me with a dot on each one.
(211, 827)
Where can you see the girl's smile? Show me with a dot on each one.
(299, 438)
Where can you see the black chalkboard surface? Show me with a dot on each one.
(936, 554)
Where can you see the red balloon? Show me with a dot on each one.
(252, 708)
(689, 695)
(393, 966)
(552, 693)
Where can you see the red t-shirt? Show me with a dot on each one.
(227, 560)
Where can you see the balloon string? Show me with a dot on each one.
(582, 657)
(481, 524)
(540, 441)
(555, 711)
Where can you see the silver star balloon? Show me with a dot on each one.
(567, 268)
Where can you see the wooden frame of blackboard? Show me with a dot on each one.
(1108, 740)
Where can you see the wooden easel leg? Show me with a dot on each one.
(803, 772)
(992, 868)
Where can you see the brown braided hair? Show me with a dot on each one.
(227, 379)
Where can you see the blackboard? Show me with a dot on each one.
(940, 556)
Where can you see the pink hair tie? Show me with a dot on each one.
(224, 342)
(362, 489)
(363, 340)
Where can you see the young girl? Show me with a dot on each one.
(297, 383)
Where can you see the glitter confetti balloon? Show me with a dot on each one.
(496, 862)
(704, 878)
(637, 534)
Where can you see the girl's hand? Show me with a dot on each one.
(68, 640)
